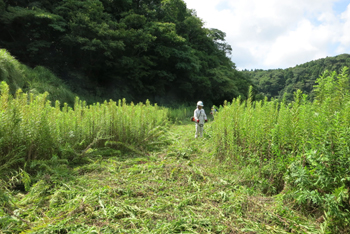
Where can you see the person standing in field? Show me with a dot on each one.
(213, 111)
(200, 118)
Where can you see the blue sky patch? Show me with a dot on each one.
(340, 6)
(333, 47)
(222, 6)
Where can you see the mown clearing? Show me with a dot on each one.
(181, 188)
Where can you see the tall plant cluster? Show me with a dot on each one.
(180, 113)
(32, 129)
(307, 142)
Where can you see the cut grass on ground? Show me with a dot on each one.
(182, 188)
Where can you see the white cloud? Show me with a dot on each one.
(298, 46)
(275, 33)
(345, 35)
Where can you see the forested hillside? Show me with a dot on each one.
(279, 82)
(149, 49)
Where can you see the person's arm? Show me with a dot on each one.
(205, 116)
(195, 115)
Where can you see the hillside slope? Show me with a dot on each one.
(34, 81)
(279, 82)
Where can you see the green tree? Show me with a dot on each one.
(279, 83)
(157, 50)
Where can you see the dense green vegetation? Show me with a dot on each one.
(182, 188)
(33, 81)
(72, 166)
(138, 50)
(262, 166)
(284, 82)
(301, 149)
(130, 185)
(31, 129)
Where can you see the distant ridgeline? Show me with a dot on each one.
(279, 82)
(138, 50)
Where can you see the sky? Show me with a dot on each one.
(271, 34)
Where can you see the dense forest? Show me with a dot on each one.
(280, 82)
(134, 49)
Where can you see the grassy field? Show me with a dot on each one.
(181, 188)
(119, 167)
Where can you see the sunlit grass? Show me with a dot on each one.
(116, 167)
(300, 148)
(32, 129)
(182, 188)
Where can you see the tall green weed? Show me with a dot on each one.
(306, 143)
(32, 129)
(180, 113)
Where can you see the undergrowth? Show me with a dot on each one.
(180, 113)
(32, 129)
(35, 81)
(301, 148)
(113, 167)
(182, 188)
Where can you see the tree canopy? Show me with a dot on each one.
(284, 82)
(138, 49)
